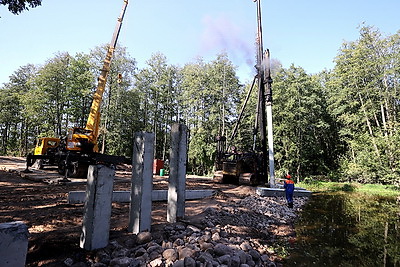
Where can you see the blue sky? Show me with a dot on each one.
(305, 33)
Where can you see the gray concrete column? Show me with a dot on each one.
(13, 244)
(97, 211)
(142, 183)
(177, 173)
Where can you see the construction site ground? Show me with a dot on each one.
(39, 199)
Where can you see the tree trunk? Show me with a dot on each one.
(369, 127)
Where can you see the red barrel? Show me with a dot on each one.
(158, 164)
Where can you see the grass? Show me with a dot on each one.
(369, 189)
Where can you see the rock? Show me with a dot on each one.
(221, 249)
(225, 259)
(79, 264)
(121, 262)
(205, 257)
(205, 245)
(120, 253)
(235, 261)
(193, 228)
(68, 261)
(144, 237)
(189, 262)
(156, 263)
(245, 246)
(215, 237)
(170, 254)
(185, 252)
(139, 252)
(178, 242)
(156, 248)
(102, 257)
(179, 263)
(254, 254)
(242, 256)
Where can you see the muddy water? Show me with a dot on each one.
(347, 229)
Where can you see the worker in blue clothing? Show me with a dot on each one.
(289, 189)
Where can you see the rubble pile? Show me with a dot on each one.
(235, 234)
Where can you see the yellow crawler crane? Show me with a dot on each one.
(79, 149)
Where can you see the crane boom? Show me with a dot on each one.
(93, 122)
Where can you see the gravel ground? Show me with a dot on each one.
(235, 227)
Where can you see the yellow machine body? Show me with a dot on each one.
(44, 144)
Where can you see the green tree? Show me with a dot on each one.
(302, 129)
(17, 6)
(364, 89)
(16, 122)
(210, 95)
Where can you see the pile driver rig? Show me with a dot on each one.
(250, 167)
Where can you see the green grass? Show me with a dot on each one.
(369, 189)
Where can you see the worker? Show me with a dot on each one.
(289, 189)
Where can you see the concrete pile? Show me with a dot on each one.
(235, 234)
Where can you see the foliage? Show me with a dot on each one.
(17, 6)
(367, 189)
(341, 125)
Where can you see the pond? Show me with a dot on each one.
(347, 229)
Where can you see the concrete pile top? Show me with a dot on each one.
(269, 192)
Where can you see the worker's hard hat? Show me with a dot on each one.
(288, 176)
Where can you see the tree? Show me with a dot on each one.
(120, 105)
(302, 131)
(16, 123)
(210, 95)
(364, 90)
(17, 6)
(158, 85)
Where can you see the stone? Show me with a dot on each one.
(170, 254)
(193, 228)
(221, 249)
(205, 245)
(102, 257)
(178, 242)
(79, 264)
(186, 252)
(68, 261)
(179, 263)
(121, 262)
(189, 262)
(235, 261)
(120, 253)
(245, 246)
(254, 254)
(139, 252)
(215, 237)
(156, 262)
(225, 259)
(144, 237)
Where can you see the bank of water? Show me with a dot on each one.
(347, 229)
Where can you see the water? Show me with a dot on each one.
(347, 229)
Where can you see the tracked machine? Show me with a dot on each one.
(73, 154)
(250, 167)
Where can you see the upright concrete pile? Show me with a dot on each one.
(13, 244)
(142, 183)
(97, 211)
(99, 191)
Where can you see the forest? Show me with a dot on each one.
(339, 124)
